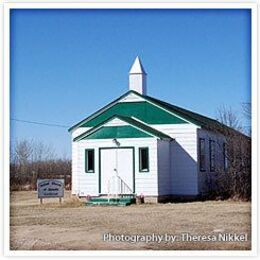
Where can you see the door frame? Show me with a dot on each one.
(99, 163)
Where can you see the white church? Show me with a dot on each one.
(141, 146)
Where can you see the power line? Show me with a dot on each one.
(39, 123)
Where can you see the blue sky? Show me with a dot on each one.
(66, 64)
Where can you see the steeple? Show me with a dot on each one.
(137, 77)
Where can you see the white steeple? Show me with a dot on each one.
(137, 77)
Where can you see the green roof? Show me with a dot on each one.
(193, 117)
(121, 131)
(183, 115)
(197, 119)
(112, 132)
(144, 111)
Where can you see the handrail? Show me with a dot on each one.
(117, 186)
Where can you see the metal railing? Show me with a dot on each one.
(116, 186)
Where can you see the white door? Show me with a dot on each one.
(116, 167)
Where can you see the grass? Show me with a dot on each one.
(72, 226)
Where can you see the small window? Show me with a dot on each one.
(225, 157)
(212, 155)
(143, 160)
(89, 160)
(202, 154)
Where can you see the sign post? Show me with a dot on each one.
(50, 188)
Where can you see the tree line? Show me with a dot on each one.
(235, 180)
(31, 160)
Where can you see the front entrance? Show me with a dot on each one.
(116, 170)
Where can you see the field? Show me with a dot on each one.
(72, 226)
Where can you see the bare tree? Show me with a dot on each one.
(23, 153)
(247, 110)
(247, 113)
(33, 159)
(235, 181)
(227, 116)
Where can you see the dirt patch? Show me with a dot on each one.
(72, 226)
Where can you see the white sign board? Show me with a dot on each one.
(50, 188)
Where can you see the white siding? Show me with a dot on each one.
(80, 178)
(79, 131)
(74, 166)
(206, 178)
(164, 168)
(116, 122)
(131, 98)
(146, 183)
(183, 157)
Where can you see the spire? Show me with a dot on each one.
(137, 67)
(137, 77)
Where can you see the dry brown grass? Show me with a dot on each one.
(72, 226)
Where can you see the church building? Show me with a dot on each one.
(140, 145)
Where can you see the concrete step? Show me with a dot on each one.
(110, 201)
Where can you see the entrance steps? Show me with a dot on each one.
(114, 201)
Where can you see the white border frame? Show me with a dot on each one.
(121, 4)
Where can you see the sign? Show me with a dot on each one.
(50, 188)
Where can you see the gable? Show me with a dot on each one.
(110, 132)
(143, 111)
(133, 104)
(121, 127)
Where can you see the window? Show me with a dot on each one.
(89, 160)
(143, 159)
(225, 157)
(202, 154)
(212, 155)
